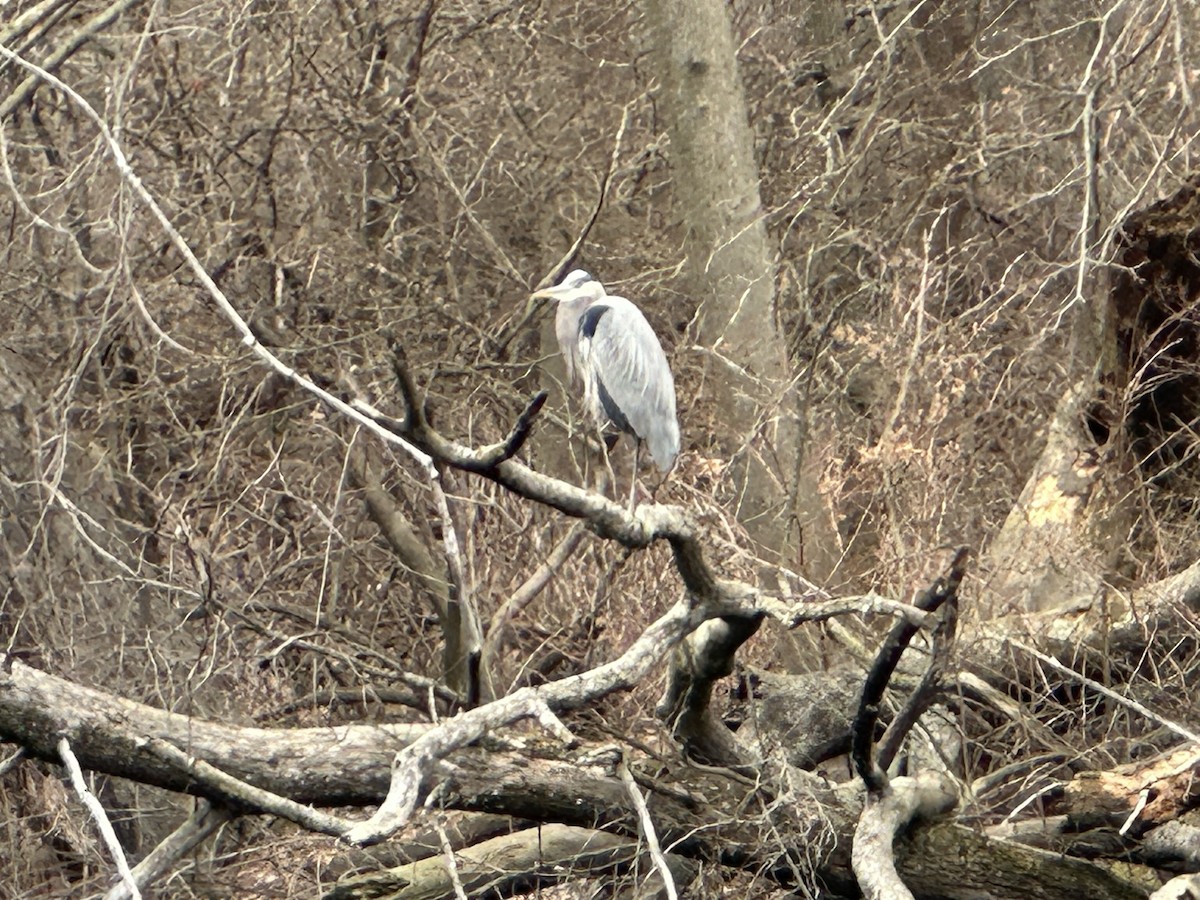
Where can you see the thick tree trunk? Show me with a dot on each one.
(730, 273)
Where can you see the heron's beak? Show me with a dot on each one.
(556, 292)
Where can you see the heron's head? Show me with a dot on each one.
(578, 285)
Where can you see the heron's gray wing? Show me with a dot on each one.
(630, 365)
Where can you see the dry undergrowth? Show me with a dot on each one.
(928, 250)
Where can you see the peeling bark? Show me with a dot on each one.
(1045, 555)
(1136, 797)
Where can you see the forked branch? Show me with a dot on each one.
(497, 463)
(890, 806)
(862, 738)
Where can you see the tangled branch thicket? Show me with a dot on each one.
(977, 207)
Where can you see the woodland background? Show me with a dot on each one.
(926, 276)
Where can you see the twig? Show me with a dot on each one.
(451, 862)
(1180, 730)
(140, 302)
(559, 269)
(12, 761)
(414, 557)
(864, 73)
(1088, 222)
(21, 24)
(203, 821)
(529, 589)
(516, 438)
(1142, 800)
(505, 263)
(363, 696)
(1185, 92)
(70, 236)
(484, 458)
(550, 722)
(470, 636)
(60, 54)
(648, 832)
(101, 818)
(227, 309)
(914, 350)
(1005, 774)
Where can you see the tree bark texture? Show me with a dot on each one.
(730, 273)
(524, 861)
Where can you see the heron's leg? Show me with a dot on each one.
(637, 446)
(662, 480)
(607, 442)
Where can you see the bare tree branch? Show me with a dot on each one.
(238, 793)
(528, 591)
(1094, 685)
(793, 615)
(607, 519)
(414, 765)
(863, 732)
(891, 805)
(651, 836)
(61, 53)
(102, 824)
(927, 690)
(451, 863)
(204, 821)
(559, 269)
(248, 338)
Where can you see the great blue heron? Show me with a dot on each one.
(611, 350)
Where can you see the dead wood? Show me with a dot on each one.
(502, 866)
(703, 658)
(699, 813)
(892, 804)
(1137, 797)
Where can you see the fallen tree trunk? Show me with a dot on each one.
(529, 859)
(946, 860)
(336, 766)
(798, 829)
